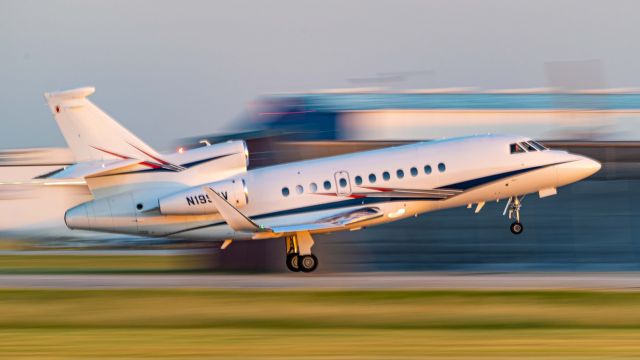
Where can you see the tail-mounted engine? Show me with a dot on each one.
(120, 213)
(194, 201)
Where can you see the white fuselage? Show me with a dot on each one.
(459, 171)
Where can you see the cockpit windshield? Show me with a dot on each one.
(516, 148)
(528, 146)
(537, 145)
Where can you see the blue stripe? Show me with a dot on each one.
(196, 163)
(465, 185)
(337, 204)
(312, 208)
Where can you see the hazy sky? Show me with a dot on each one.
(169, 69)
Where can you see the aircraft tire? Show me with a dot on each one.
(292, 262)
(516, 228)
(307, 263)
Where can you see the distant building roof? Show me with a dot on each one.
(537, 99)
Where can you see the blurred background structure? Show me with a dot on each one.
(180, 72)
(304, 79)
(588, 226)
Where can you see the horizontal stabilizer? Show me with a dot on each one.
(93, 168)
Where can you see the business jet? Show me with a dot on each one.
(208, 193)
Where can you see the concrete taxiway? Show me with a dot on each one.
(347, 281)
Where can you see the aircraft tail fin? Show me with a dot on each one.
(90, 133)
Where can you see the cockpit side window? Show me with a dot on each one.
(537, 145)
(528, 146)
(516, 149)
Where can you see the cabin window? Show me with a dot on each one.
(386, 176)
(399, 173)
(285, 191)
(442, 167)
(427, 169)
(414, 171)
(313, 187)
(327, 185)
(528, 146)
(537, 145)
(343, 182)
(358, 180)
(516, 149)
(372, 178)
(299, 189)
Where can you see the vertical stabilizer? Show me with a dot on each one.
(90, 133)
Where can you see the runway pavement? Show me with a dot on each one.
(452, 281)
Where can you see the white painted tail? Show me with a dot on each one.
(90, 133)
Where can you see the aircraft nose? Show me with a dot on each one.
(577, 170)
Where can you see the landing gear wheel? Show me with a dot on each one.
(292, 262)
(516, 228)
(307, 263)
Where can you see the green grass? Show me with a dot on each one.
(204, 324)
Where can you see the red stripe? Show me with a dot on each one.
(145, 163)
(353, 196)
(151, 156)
(151, 165)
(378, 188)
(110, 153)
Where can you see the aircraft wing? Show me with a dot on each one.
(335, 222)
(239, 222)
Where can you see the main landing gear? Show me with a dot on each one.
(513, 207)
(299, 256)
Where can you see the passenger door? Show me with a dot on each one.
(343, 183)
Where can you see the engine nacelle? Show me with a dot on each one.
(195, 201)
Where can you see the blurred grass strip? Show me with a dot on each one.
(317, 344)
(306, 309)
(243, 324)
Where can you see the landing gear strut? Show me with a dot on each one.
(299, 256)
(513, 207)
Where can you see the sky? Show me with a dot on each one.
(173, 69)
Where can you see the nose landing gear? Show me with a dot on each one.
(299, 256)
(516, 228)
(513, 207)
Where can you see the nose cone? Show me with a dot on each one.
(577, 170)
